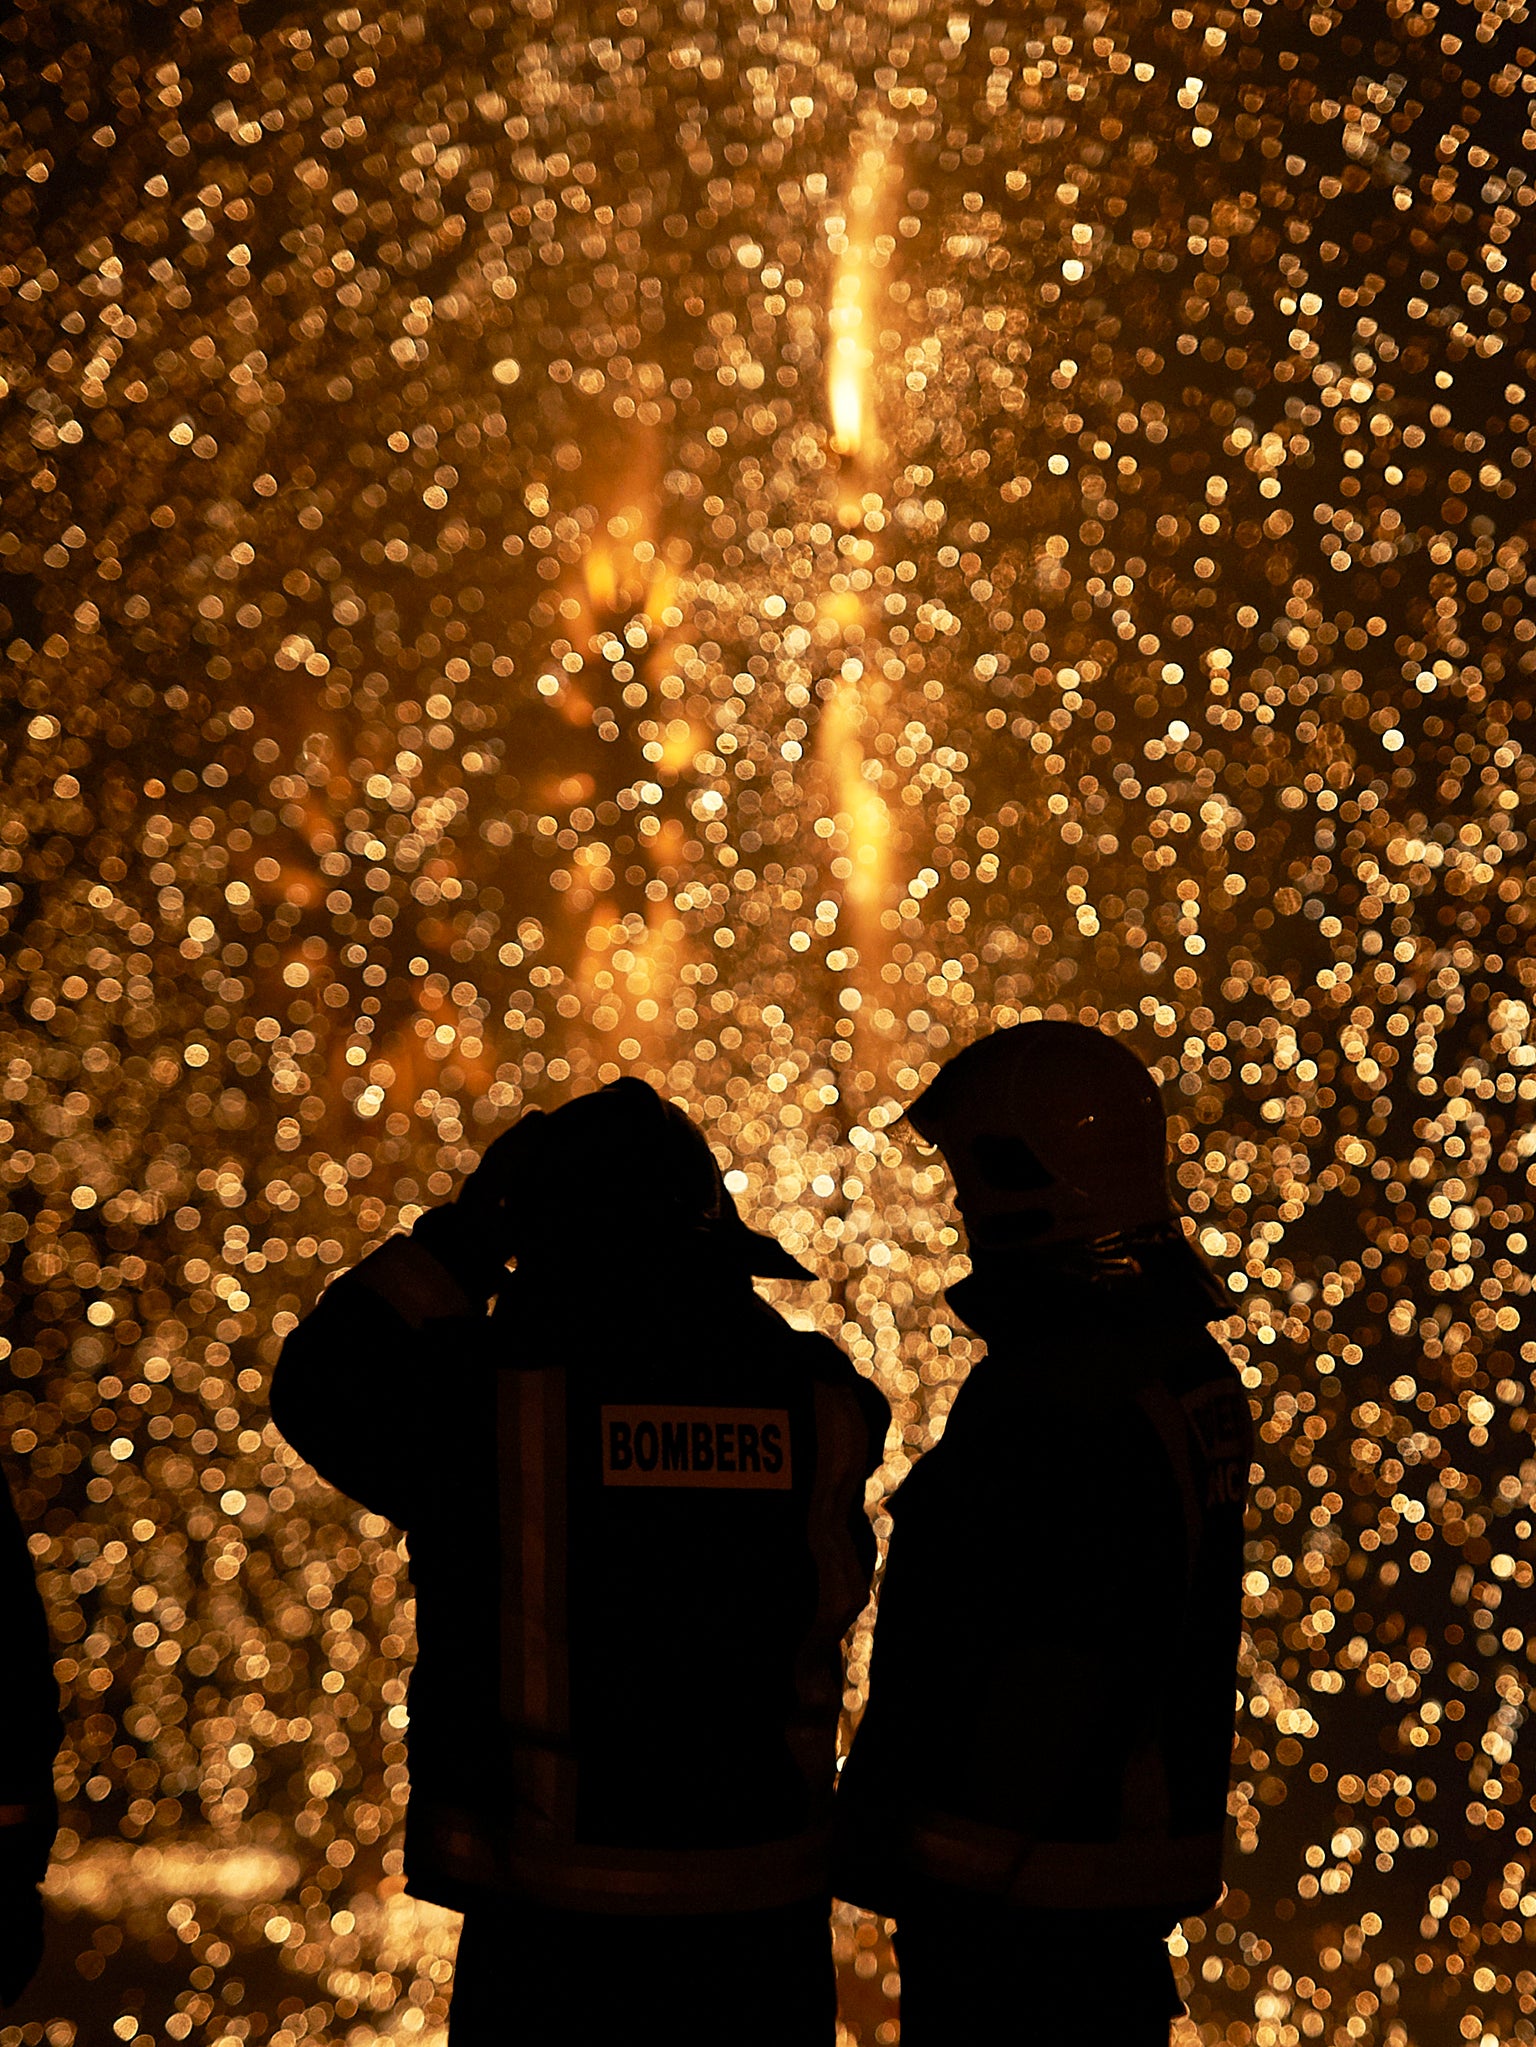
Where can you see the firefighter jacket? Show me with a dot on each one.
(29, 1713)
(1052, 1690)
(634, 1498)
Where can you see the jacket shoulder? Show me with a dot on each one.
(821, 1355)
(1202, 1378)
(832, 1367)
(1199, 1359)
(826, 1360)
(1209, 1389)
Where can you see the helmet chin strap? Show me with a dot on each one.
(1156, 1251)
(1120, 1255)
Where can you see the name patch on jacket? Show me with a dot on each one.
(746, 1448)
(1223, 1423)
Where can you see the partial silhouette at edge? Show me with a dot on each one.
(29, 1740)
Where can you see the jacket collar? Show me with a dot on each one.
(1101, 1292)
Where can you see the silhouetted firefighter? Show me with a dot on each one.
(1038, 1790)
(634, 1497)
(29, 1740)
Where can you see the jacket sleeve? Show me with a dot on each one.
(29, 1712)
(875, 1416)
(928, 1614)
(363, 1378)
(863, 1419)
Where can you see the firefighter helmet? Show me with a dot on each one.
(1054, 1133)
(619, 1165)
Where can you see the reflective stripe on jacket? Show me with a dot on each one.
(1133, 1873)
(1051, 1695)
(761, 1876)
(637, 1537)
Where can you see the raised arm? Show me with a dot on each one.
(357, 1377)
(375, 1365)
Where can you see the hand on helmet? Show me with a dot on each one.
(498, 1186)
(475, 1234)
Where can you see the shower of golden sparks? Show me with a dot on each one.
(851, 239)
(749, 544)
(858, 818)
